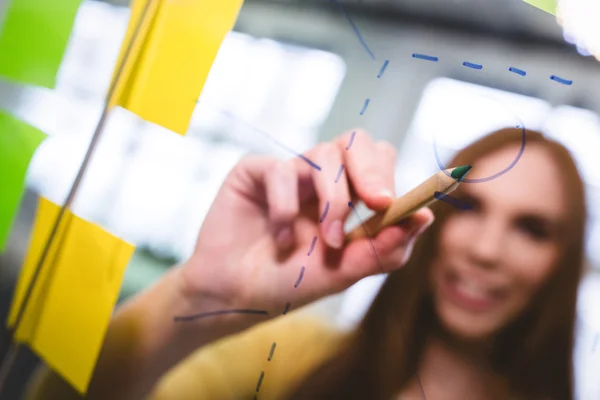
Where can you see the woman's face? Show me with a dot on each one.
(494, 258)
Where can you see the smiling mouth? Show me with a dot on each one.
(470, 294)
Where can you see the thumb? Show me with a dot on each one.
(387, 251)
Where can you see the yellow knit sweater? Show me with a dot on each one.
(231, 368)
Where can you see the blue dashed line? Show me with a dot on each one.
(324, 212)
(517, 71)
(385, 64)
(351, 140)
(367, 101)
(340, 171)
(472, 65)
(272, 351)
(312, 245)
(425, 57)
(558, 79)
(260, 379)
(299, 277)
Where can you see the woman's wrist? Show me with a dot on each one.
(192, 313)
(195, 313)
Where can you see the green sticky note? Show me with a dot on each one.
(547, 5)
(18, 142)
(33, 39)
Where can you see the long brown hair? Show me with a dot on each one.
(533, 355)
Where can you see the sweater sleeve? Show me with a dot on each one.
(266, 361)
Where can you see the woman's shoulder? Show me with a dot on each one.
(271, 357)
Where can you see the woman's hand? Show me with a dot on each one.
(254, 250)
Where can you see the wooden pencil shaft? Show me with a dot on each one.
(402, 207)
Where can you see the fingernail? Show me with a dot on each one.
(377, 188)
(284, 237)
(335, 234)
(385, 193)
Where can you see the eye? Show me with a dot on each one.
(535, 228)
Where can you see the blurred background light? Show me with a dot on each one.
(580, 22)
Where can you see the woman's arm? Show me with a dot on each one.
(143, 342)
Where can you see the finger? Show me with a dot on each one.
(276, 182)
(333, 196)
(366, 173)
(281, 188)
(386, 157)
(389, 250)
(304, 170)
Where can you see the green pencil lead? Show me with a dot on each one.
(460, 172)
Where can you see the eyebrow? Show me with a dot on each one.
(558, 223)
(550, 222)
(544, 219)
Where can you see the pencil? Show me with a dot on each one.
(423, 195)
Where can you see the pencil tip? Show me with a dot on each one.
(459, 172)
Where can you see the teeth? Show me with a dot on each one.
(472, 289)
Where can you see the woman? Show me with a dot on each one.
(483, 309)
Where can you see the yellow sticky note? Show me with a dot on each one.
(45, 218)
(66, 321)
(546, 5)
(147, 10)
(180, 45)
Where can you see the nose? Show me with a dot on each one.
(486, 247)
